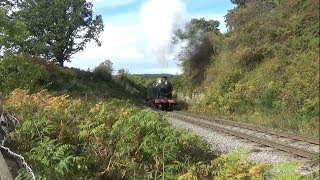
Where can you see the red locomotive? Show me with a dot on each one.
(159, 95)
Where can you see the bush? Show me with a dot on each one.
(228, 166)
(103, 71)
(19, 71)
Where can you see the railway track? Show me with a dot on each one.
(227, 127)
(312, 140)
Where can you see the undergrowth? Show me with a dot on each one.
(65, 138)
(267, 68)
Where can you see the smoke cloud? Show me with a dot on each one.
(160, 18)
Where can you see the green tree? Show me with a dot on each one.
(19, 71)
(194, 57)
(239, 2)
(59, 28)
(4, 24)
(7, 3)
(196, 28)
(122, 73)
(104, 70)
(13, 31)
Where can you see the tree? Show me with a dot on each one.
(239, 2)
(4, 21)
(196, 28)
(203, 25)
(123, 71)
(7, 3)
(104, 70)
(195, 56)
(59, 28)
(13, 31)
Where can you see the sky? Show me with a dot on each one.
(137, 34)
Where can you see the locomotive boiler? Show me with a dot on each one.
(159, 95)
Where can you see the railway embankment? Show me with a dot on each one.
(265, 145)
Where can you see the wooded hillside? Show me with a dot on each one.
(266, 67)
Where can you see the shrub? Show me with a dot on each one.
(112, 139)
(228, 166)
(18, 71)
(103, 71)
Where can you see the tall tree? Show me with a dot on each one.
(195, 56)
(59, 28)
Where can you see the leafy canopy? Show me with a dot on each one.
(104, 70)
(239, 2)
(195, 55)
(6, 3)
(196, 28)
(13, 31)
(59, 28)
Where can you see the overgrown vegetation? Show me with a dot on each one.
(266, 69)
(62, 137)
(70, 138)
(200, 36)
(23, 71)
(84, 126)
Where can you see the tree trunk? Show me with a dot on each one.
(61, 63)
(60, 59)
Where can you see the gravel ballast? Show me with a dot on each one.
(226, 144)
(270, 137)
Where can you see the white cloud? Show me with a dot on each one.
(134, 41)
(124, 42)
(119, 44)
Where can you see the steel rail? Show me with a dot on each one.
(283, 147)
(312, 140)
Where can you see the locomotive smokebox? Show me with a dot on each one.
(159, 95)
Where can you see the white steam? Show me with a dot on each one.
(160, 18)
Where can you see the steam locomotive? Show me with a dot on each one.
(159, 95)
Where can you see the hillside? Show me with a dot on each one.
(22, 71)
(266, 68)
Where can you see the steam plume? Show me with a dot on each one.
(160, 18)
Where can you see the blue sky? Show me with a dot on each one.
(137, 33)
